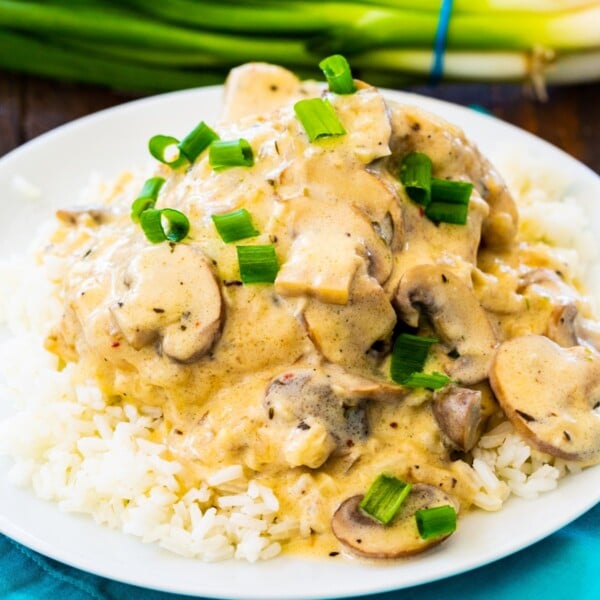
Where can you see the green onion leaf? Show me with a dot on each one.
(384, 498)
(258, 264)
(147, 197)
(197, 140)
(415, 175)
(230, 153)
(166, 149)
(430, 381)
(436, 522)
(449, 201)
(338, 74)
(234, 226)
(409, 355)
(152, 222)
(318, 118)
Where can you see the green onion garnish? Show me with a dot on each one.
(318, 118)
(147, 197)
(415, 175)
(258, 264)
(449, 201)
(409, 355)
(384, 498)
(234, 226)
(152, 219)
(230, 153)
(197, 140)
(430, 381)
(165, 148)
(435, 522)
(339, 76)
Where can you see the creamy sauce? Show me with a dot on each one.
(291, 379)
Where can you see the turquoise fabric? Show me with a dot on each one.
(564, 566)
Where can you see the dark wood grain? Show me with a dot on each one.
(570, 119)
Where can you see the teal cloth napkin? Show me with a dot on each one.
(563, 566)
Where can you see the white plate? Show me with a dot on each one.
(60, 164)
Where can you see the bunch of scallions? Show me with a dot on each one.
(159, 45)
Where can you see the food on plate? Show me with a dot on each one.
(315, 324)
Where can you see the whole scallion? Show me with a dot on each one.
(152, 46)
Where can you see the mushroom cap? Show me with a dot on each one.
(458, 413)
(550, 395)
(366, 537)
(456, 315)
(187, 320)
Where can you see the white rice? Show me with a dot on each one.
(104, 460)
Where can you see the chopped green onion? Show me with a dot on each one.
(197, 140)
(436, 522)
(338, 74)
(258, 264)
(234, 226)
(430, 381)
(151, 221)
(147, 197)
(230, 153)
(384, 498)
(409, 355)
(449, 201)
(165, 148)
(455, 192)
(318, 118)
(415, 175)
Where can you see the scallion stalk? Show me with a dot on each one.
(147, 197)
(234, 226)
(223, 154)
(415, 175)
(449, 201)
(436, 521)
(318, 118)
(258, 264)
(176, 229)
(384, 498)
(338, 74)
(429, 381)
(409, 355)
(165, 149)
(197, 140)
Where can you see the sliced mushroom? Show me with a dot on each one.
(561, 326)
(187, 320)
(546, 282)
(94, 215)
(457, 317)
(304, 401)
(358, 387)
(366, 537)
(551, 394)
(458, 413)
(568, 328)
(344, 334)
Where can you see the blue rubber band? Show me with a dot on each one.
(439, 45)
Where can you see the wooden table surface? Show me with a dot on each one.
(570, 119)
